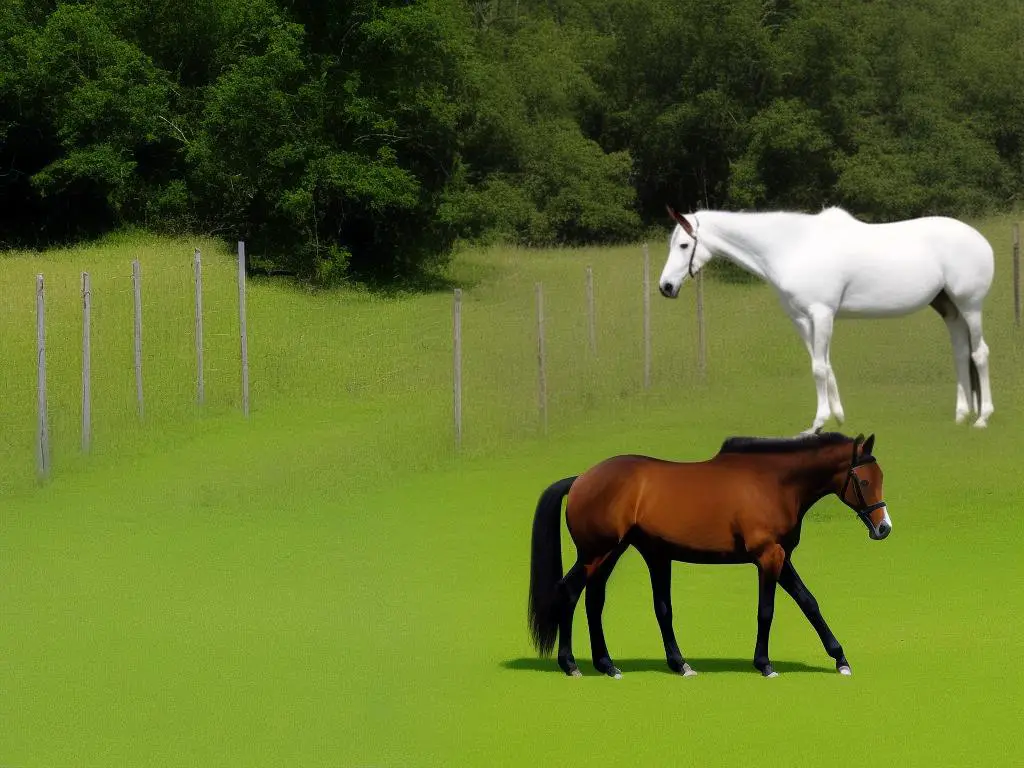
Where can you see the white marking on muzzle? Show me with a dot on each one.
(886, 522)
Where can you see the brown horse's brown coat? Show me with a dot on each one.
(729, 509)
(746, 504)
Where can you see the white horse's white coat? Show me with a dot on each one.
(830, 265)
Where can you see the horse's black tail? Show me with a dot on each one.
(546, 566)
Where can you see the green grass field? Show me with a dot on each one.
(328, 583)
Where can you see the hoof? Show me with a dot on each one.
(681, 667)
(605, 666)
(769, 671)
(676, 664)
(960, 418)
(844, 670)
(568, 666)
(612, 671)
(980, 424)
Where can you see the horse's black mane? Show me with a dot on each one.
(783, 444)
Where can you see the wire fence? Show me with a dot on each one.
(92, 357)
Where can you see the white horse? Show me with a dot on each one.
(830, 265)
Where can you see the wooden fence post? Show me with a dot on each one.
(591, 320)
(542, 382)
(1016, 273)
(200, 378)
(86, 363)
(702, 346)
(647, 317)
(457, 362)
(43, 432)
(137, 288)
(242, 328)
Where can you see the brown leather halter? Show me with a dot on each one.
(865, 509)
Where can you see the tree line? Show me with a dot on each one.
(362, 139)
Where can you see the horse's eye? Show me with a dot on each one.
(684, 246)
(863, 483)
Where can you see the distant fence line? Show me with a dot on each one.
(43, 448)
(591, 325)
(43, 452)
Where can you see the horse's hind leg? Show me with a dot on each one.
(790, 581)
(596, 585)
(661, 586)
(570, 587)
(960, 339)
(979, 358)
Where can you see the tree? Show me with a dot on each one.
(85, 109)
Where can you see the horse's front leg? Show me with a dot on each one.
(790, 581)
(824, 380)
(816, 337)
(834, 403)
(769, 566)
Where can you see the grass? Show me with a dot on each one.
(327, 583)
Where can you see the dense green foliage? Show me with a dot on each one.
(363, 138)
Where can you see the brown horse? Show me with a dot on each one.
(744, 505)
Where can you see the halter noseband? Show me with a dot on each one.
(851, 477)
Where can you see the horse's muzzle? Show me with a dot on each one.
(668, 291)
(883, 530)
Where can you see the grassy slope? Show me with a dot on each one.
(298, 590)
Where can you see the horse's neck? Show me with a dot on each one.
(821, 473)
(749, 240)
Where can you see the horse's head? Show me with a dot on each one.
(862, 489)
(686, 255)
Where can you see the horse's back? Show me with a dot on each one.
(963, 254)
(894, 268)
(693, 505)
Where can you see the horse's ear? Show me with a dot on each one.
(679, 219)
(869, 444)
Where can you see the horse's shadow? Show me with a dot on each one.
(709, 665)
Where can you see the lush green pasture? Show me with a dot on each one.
(328, 583)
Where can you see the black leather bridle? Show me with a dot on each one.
(692, 232)
(693, 252)
(864, 509)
